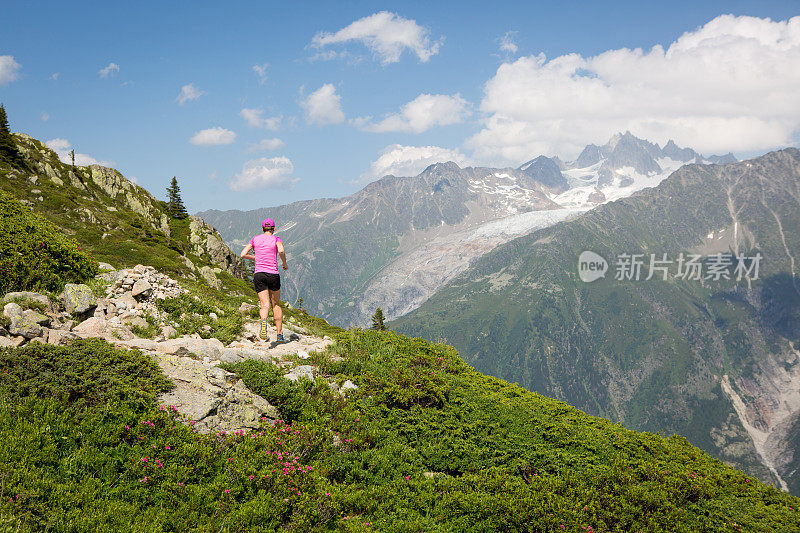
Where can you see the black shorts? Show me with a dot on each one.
(265, 281)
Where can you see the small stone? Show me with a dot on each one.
(91, 327)
(301, 371)
(213, 316)
(169, 332)
(60, 337)
(349, 385)
(302, 354)
(12, 311)
(6, 342)
(141, 289)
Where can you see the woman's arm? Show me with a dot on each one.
(246, 249)
(282, 253)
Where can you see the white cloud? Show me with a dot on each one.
(421, 114)
(401, 160)
(729, 85)
(508, 43)
(265, 145)
(261, 72)
(54, 76)
(386, 35)
(265, 173)
(213, 137)
(9, 69)
(255, 119)
(62, 148)
(45, 116)
(110, 70)
(323, 106)
(189, 93)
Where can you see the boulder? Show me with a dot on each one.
(231, 356)
(141, 289)
(12, 311)
(6, 342)
(28, 295)
(105, 266)
(190, 345)
(126, 301)
(78, 298)
(35, 316)
(136, 321)
(137, 343)
(169, 332)
(300, 371)
(18, 341)
(210, 277)
(91, 327)
(60, 337)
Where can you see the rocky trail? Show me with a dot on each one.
(208, 397)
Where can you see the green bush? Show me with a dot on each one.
(34, 254)
(86, 448)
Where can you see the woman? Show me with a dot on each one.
(266, 247)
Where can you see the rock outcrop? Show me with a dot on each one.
(206, 240)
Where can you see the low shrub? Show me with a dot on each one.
(34, 254)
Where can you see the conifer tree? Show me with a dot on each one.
(8, 147)
(377, 320)
(175, 204)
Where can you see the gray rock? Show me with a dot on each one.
(38, 340)
(28, 295)
(189, 345)
(141, 289)
(297, 372)
(105, 266)
(169, 332)
(6, 342)
(126, 301)
(213, 316)
(348, 385)
(245, 308)
(18, 341)
(231, 356)
(35, 316)
(139, 344)
(68, 325)
(12, 311)
(211, 278)
(138, 321)
(78, 298)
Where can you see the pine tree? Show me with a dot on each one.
(8, 147)
(175, 204)
(300, 303)
(377, 320)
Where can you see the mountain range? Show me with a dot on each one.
(715, 360)
(400, 239)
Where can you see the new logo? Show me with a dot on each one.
(591, 266)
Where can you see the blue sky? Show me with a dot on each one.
(332, 73)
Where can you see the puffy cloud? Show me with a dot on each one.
(213, 137)
(188, 94)
(401, 160)
(729, 85)
(9, 69)
(261, 72)
(110, 70)
(385, 34)
(508, 43)
(265, 145)
(255, 119)
(421, 114)
(62, 148)
(323, 106)
(265, 173)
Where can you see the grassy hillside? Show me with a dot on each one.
(651, 354)
(425, 444)
(113, 219)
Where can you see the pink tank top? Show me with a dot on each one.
(265, 248)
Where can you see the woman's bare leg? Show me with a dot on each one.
(277, 312)
(263, 299)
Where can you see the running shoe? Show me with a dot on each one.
(280, 338)
(263, 332)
